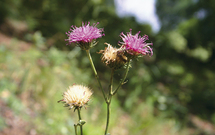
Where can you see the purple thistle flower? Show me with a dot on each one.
(135, 44)
(84, 35)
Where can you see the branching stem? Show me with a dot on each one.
(122, 81)
(109, 100)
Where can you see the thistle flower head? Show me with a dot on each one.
(135, 45)
(76, 96)
(85, 35)
(113, 57)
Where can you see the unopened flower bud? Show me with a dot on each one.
(82, 122)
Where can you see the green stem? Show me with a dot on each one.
(108, 117)
(75, 126)
(79, 116)
(96, 75)
(122, 81)
(111, 83)
(109, 101)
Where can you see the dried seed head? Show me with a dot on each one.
(113, 57)
(76, 96)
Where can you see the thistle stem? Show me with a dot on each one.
(108, 117)
(95, 72)
(122, 81)
(79, 116)
(75, 126)
(111, 83)
(109, 100)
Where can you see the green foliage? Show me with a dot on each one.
(185, 57)
(178, 80)
(35, 80)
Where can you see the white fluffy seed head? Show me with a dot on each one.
(77, 95)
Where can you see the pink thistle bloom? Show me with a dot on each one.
(84, 34)
(135, 44)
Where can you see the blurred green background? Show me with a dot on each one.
(170, 93)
